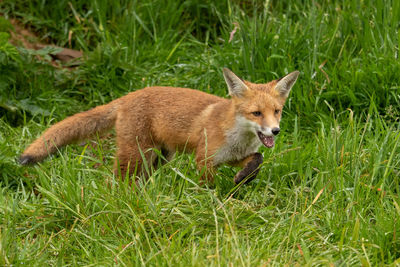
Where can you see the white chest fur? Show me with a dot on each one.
(241, 141)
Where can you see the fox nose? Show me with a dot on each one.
(275, 130)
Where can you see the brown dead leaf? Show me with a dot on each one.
(24, 37)
(65, 55)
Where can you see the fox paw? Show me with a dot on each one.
(250, 171)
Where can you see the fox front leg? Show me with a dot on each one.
(251, 167)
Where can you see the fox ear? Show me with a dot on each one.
(236, 85)
(286, 83)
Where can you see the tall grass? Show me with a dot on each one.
(328, 193)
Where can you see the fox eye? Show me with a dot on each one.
(277, 111)
(257, 113)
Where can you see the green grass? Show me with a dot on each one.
(327, 194)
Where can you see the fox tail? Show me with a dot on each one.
(73, 129)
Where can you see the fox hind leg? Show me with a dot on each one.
(134, 159)
(135, 154)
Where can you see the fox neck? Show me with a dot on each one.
(241, 141)
(242, 133)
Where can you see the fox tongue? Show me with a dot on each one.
(268, 141)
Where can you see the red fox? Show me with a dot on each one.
(216, 129)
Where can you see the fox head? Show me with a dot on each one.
(259, 106)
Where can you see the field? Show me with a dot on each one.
(327, 193)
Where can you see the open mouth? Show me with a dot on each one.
(268, 141)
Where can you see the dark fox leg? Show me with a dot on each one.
(162, 158)
(250, 169)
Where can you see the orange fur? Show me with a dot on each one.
(171, 119)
